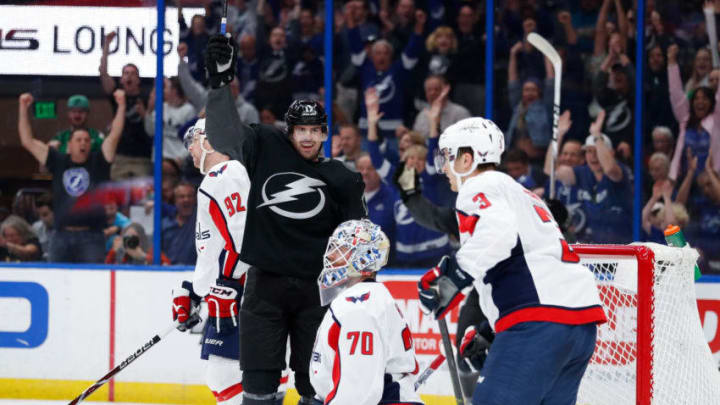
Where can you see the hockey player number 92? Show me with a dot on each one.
(233, 203)
(366, 342)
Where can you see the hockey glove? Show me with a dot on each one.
(220, 60)
(475, 345)
(407, 181)
(184, 303)
(441, 288)
(223, 304)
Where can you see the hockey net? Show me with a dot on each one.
(652, 350)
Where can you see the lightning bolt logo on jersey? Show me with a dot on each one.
(291, 187)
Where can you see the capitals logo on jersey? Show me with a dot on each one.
(293, 195)
(218, 172)
(360, 298)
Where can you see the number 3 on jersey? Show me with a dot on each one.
(233, 204)
(568, 255)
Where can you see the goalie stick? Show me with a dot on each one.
(549, 51)
(139, 352)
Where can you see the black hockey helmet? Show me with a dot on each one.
(306, 112)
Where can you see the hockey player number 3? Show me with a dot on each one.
(366, 342)
(233, 203)
(568, 255)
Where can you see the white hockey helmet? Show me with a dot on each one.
(356, 248)
(197, 131)
(481, 135)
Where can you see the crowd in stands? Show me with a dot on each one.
(405, 70)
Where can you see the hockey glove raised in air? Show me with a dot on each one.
(475, 345)
(407, 181)
(224, 304)
(220, 60)
(184, 303)
(441, 288)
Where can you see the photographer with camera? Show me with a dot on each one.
(133, 248)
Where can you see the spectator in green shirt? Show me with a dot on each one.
(78, 110)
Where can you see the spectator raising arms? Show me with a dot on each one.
(699, 120)
(78, 236)
(18, 242)
(604, 189)
(78, 110)
(133, 152)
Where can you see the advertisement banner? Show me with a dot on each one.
(68, 41)
(63, 328)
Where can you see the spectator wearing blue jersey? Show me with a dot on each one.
(517, 166)
(385, 162)
(248, 67)
(604, 189)
(115, 222)
(705, 232)
(571, 155)
(389, 77)
(379, 196)
(178, 231)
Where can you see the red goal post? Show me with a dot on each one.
(652, 350)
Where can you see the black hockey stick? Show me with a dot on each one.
(139, 352)
(451, 362)
(223, 20)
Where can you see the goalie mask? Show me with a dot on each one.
(356, 249)
(481, 135)
(197, 131)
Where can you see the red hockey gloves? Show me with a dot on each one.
(220, 60)
(441, 288)
(184, 302)
(475, 345)
(224, 304)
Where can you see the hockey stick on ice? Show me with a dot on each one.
(139, 352)
(454, 377)
(547, 49)
(434, 365)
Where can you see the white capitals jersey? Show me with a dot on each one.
(363, 352)
(523, 268)
(221, 216)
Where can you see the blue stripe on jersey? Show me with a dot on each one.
(221, 263)
(512, 284)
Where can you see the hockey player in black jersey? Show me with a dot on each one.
(296, 200)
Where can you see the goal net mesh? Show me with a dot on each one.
(682, 370)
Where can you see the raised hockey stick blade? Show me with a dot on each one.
(434, 365)
(139, 352)
(459, 399)
(549, 51)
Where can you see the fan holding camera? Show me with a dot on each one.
(132, 248)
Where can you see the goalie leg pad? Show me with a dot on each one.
(224, 378)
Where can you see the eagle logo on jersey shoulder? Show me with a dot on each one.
(361, 298)
(218, 172)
